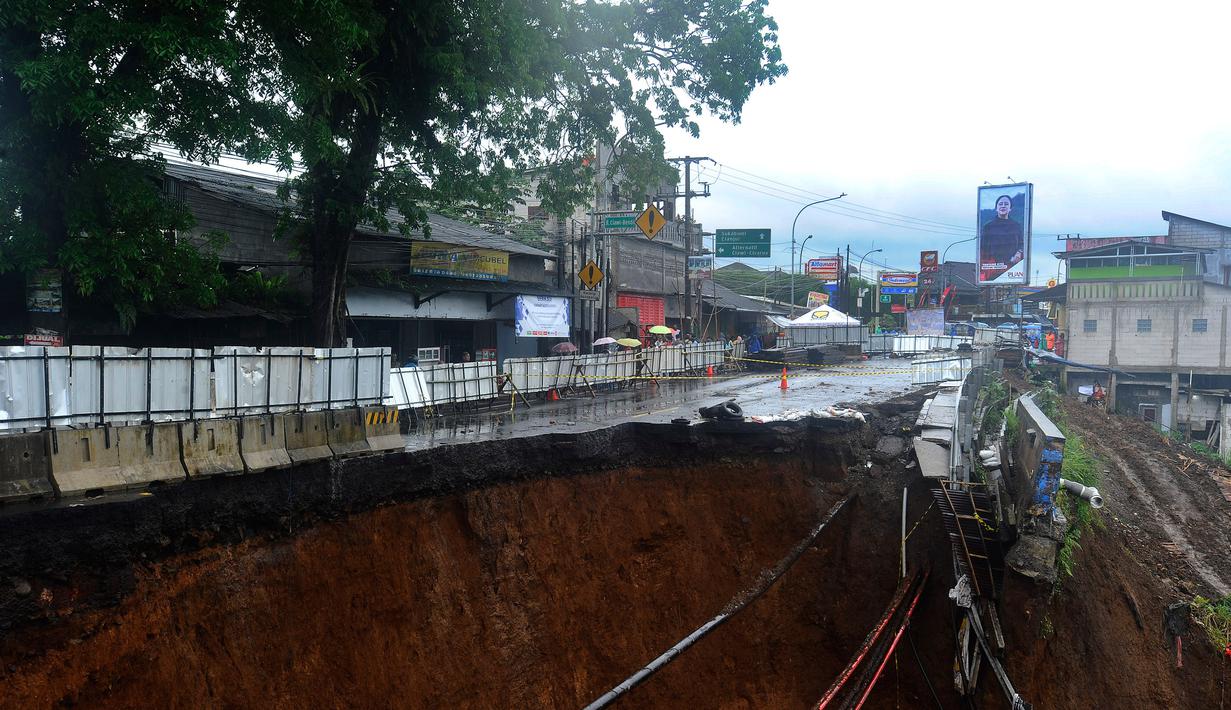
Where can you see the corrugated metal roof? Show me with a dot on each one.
(723, 297)
(262, 194)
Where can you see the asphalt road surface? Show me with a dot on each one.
(757, 393)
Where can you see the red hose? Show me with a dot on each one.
(868, 643)
(897, 637)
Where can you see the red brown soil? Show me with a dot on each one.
(1165, 536)
(537, 594)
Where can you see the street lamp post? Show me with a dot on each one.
(802, 246)
(859, 272)
(944, 273)
(793, 223)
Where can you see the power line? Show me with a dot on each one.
(855, 206)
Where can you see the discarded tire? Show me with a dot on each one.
(727, 410)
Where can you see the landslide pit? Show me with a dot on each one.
(522, 573)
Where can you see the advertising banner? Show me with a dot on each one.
(929, 262)
(452, 261)
(44, 293)
(701, 267)
(816, 300)
(1003, 244)
(825, 268)
(925, 321)
(898, 283)
(541, 317)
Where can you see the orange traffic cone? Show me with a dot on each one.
(553, 396)
(782, 384)
(709, 370)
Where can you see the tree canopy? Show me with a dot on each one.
(388, 104)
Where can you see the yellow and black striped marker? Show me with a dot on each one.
(384, 416)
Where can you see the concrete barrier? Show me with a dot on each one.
(85, 461)
(25, 467)
(381, 427)
(262, 442)
(150, 453)
(307, 436)
(346, 433)
(211, 447)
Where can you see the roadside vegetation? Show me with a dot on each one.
(1215, 617)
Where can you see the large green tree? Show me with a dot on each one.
(408, 104)
(86, 88)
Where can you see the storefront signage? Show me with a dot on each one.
(816, 299)
(452, 261)
(825, 268)
(701, 267)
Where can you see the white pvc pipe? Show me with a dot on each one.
(1089, 493)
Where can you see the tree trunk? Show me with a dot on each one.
(338, 194)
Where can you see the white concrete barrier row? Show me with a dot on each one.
(89, 385)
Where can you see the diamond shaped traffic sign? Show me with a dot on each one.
(590, 274)
(651, 222)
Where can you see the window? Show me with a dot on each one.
(1089, 326)
(1200, 325)
(1143, 325)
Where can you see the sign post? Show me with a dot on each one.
(742, 243)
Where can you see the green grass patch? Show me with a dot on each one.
(1215, 617)
(996, 397)
(1080, 466)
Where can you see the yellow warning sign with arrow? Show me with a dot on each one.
(651, 222)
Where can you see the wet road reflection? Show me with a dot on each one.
(757, 393)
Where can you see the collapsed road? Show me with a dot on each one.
(541, 559)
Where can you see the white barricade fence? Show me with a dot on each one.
(87, 385)
(879, 343)
(933, 370)
(827, 335)
(985, 336)
(258, 380)
(916, 344)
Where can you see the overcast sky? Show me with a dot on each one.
(1115, 111)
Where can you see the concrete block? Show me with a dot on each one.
(150, 453)
(211, 447)
(382, 429)
(346, 433)
(85, 461)
(307, 436)
(25, 467)
(262, 442)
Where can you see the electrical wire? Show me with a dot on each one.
(923, 671)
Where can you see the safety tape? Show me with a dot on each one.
(779, 363)
(737, 377)
(920, 520)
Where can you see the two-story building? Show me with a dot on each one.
(1156, 310)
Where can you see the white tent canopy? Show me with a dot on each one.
(824, 316)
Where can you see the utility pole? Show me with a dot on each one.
(688, 161)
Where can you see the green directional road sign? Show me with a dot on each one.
(620, 221)
(742, 243)
(886, 298)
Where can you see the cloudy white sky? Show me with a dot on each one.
(1115, 111)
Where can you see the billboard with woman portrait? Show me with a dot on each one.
(1004, 233)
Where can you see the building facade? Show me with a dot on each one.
(1156, 311)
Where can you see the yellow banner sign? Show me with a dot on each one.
(452, 261)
